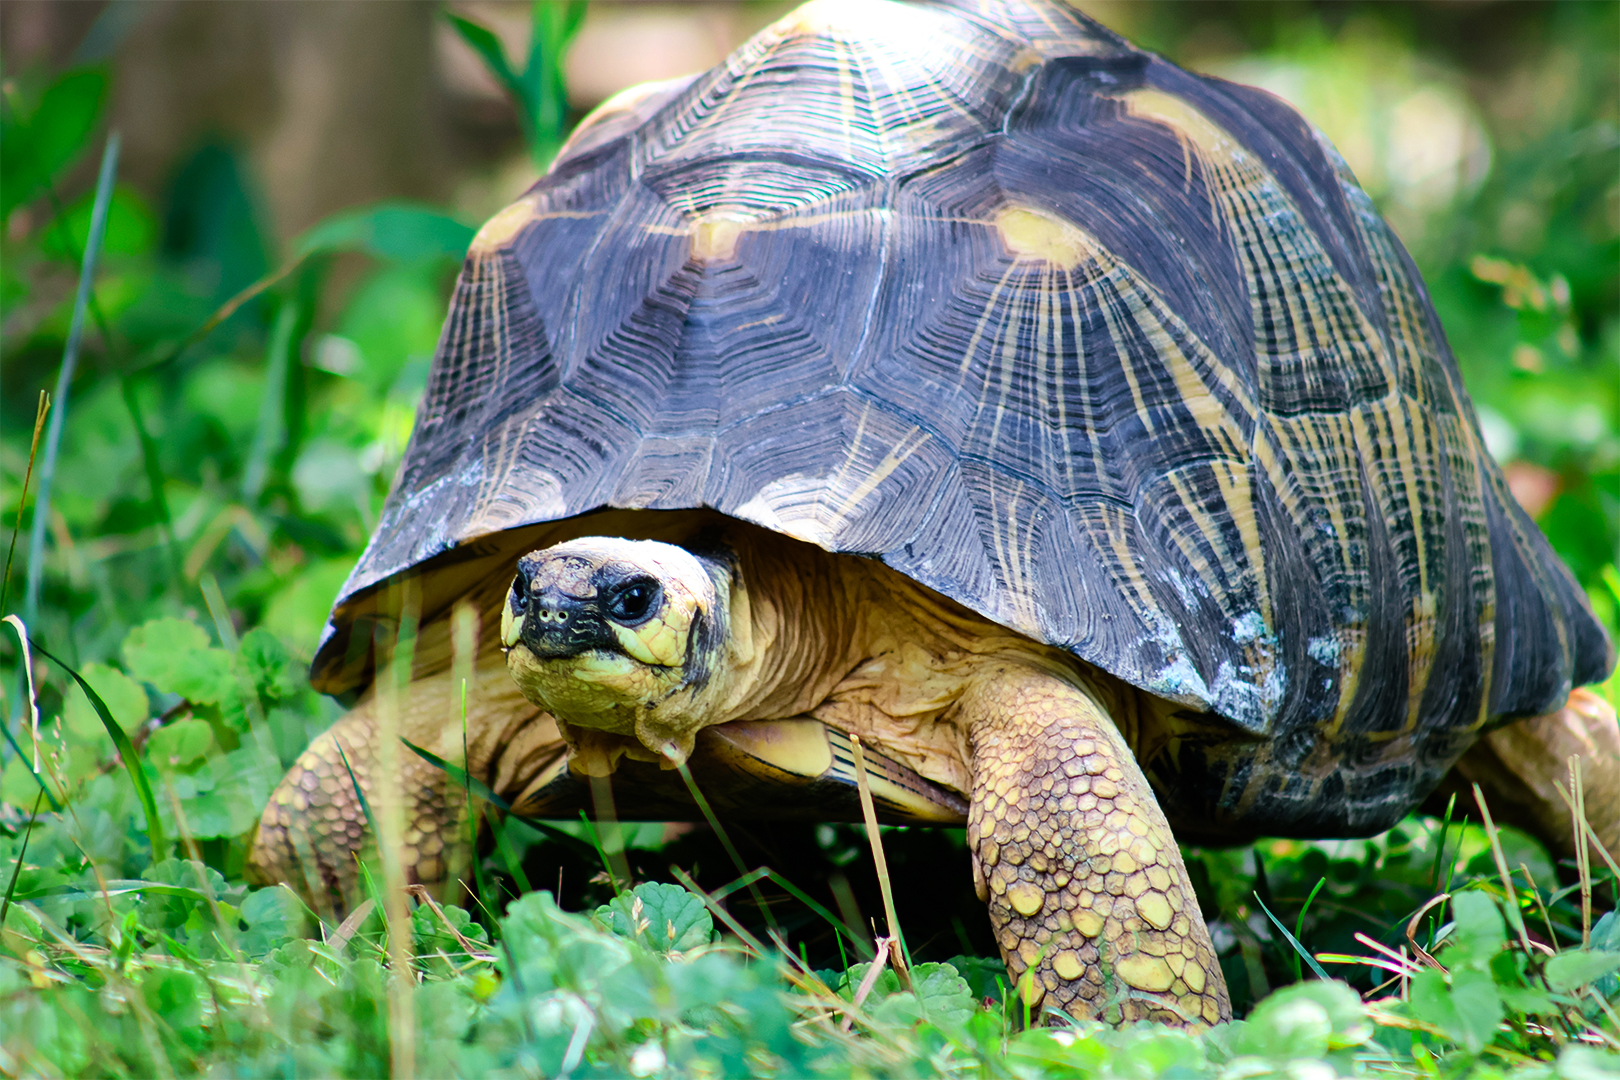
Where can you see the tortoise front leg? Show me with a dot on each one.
(1085, 883)
(314, 825)
(314, 828)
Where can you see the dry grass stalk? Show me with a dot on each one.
(1495, 839)
(873, 837)
(22, 500)
(1583, 854)
(1411, 931)
(394, 668)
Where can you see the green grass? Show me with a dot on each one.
(236, 416)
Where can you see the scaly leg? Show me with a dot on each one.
(314, 826)
(1521, 766)
(1085, 883)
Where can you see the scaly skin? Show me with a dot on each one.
(1087, 892)
(314, 827)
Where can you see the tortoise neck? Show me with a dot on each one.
(791, 632)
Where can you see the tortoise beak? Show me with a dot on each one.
(553, 624)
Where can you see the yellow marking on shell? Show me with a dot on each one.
(1067, 965)
(500, 230)
(511, 625)
(1155, 909)
(714, 237)
(891, 461)
(1193, 975)
(1178, 114)
(1026, 899)
(1148, 973)
(1028, 233)
(1088, 922)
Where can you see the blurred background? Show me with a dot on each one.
(296, 185)
(1486, 131)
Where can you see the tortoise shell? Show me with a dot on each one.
(1118, 356)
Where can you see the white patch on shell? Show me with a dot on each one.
(1179, 679)
(1183, 589)
(1251, 704)
(1324, 650)
(1249, 628)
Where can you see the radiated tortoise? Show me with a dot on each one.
(1066, 426)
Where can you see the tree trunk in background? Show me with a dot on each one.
(358, 115)
(333, 103)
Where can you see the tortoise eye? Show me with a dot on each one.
(633, 603)
(520, 595)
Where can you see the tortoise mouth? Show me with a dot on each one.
(557, 626)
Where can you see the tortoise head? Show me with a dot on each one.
(618, 635)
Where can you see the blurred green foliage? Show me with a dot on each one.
(215, 488)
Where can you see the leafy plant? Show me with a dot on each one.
(539, 90)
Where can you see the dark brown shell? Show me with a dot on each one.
(1119, 356)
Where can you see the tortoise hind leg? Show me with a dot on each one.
(1085, 883)
(1518, 766)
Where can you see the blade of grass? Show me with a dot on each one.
(765, 873)
(39, 777)
(483, 791)
(64, 377)
(1299, 925)
(126, 752)
(16, 871)
(1515, 915)
(725, 842)
(616, 862)
(1583, 854)
(1411, 930)
(479, 878)
(365, 805)
(1292, 940)
(464, 654)
(514, 865)
(1535, 895)
(719, 911)
(850, 910)
(40, 410)
(28, 673)
(347, 929)
(268, 436)
(219, 611)
(601, 854)
(154, 472)
(118, 355)
(1591, 833)
(1440, 850)
(874, 838)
